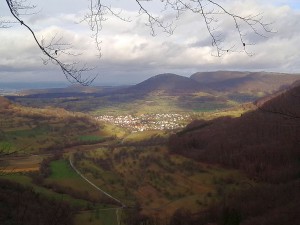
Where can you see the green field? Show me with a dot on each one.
(35, 132)
(65, 179)
(61, 169)
(91, 138)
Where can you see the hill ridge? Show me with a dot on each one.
(238, 81)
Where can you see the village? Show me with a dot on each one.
(143, 122)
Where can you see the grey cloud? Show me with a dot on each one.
(130, 54)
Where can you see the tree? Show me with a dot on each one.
(210, 11)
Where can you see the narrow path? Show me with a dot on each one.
(95, 186)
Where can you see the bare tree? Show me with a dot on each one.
(211, 12)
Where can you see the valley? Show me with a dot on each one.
(168, 149)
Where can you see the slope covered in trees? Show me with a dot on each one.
(264, 144)
(21, 205)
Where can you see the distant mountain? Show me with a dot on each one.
(235, 81)
(167, 83)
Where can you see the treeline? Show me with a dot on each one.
(21, 205)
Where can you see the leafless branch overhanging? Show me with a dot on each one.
(54, 48)
(209, 11)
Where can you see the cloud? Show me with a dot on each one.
(130, 54)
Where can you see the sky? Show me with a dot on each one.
(130, 54)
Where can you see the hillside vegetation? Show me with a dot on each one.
(265, 145)
(33, 130)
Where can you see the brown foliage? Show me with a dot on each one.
(20, 205)
(263, 143)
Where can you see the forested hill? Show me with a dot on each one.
(264, 144)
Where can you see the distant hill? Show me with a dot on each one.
(200, 92)
(230, 81)
(172, 84)
(167, 83)
(217, 76)
(235, 81)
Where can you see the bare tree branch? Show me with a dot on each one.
(53, 49)
(5, 23)
(155, 21)
(96, 16)
(209, 10)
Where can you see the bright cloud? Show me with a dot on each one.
(130, 54)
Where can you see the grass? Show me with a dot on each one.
(28, 132)
(61, 169)
(7, 146)
(97, 217)
(91, 138)
(69, 181)
(64, 176)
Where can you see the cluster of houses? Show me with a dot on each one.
(164, 121)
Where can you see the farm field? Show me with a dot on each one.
(20, 164)
(26, 130)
